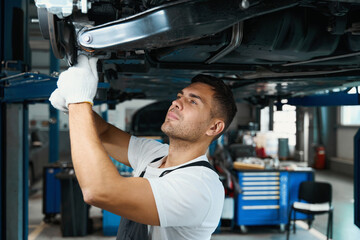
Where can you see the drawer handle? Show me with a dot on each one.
(260, 197)
(261, 188)
(261, 193)
(260, 178)
(261, 207)
(260, 183)
(260, 174)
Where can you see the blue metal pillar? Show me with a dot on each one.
(7, 18)
(2, 171)
(14, 186)
(2, 48)
(15, 31)
(54, 117)
(25, 123)
(13, 182)
(2, 128)
(357, 178)
(53, 135)
(329, 122)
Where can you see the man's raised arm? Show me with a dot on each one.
(114, 140)
(92, 141)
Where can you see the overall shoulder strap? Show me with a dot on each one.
(194, 164)
(155, 160)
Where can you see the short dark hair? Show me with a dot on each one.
(223, 96)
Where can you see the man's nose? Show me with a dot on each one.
(177, 103)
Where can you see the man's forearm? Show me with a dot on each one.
(100, 182)
(114, 140)
(90, 159)
(101, 125)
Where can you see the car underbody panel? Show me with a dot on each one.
(264, 49)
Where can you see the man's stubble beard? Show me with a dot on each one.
(183, 132)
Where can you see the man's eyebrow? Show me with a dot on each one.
(196, 96)
(192, 95)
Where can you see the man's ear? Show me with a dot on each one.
(216, 128)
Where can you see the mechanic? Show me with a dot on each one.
(175, 193)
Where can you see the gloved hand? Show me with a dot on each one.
(77, 84)
(58, 101)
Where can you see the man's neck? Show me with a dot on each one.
(181, 152)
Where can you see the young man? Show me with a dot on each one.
(175, 194)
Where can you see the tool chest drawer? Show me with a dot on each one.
(261, 199)
(265, 196)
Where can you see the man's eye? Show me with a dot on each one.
(193, 102)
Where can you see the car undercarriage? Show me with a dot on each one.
(265, 50)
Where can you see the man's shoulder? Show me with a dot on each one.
(147, 140)
(197, 175)
(144, 150)
(199, 167)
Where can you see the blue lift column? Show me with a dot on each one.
(54, 117)
(14, 48)
(2, 127)
(357, 178)
(16, 186)
(2, 169)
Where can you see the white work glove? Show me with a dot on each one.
(77, 84)
(58, 101)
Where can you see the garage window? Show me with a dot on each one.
(285, 123)
(350, 115)
(284, 126)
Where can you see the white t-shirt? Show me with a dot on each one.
(189, 201)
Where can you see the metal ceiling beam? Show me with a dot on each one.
(332, 99)
(25, 87)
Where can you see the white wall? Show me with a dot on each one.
(39, 113)
(41, 62)
(122, 113)
(243, 116)
(345, 143)
(344, 160)
(117, 117)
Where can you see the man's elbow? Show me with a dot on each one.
(93, 197)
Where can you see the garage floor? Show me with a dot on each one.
(343, 219)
